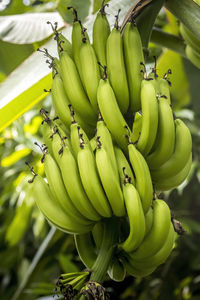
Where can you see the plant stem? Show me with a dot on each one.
(106, 251)
(168, 40)
(188, 12)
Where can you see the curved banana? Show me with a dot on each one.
(193, 56)
(158, 233)
(77, 34)
(123, 164)
(116, 270)
(136, 218)
(76, 136)
(53, 211)
(175, 180)
(60, 101)
(90, 72)
(97, 233)
(181, 154)
(58, 190)
(149, 105)
(163, 88)
(91, 181)
(111, 113)
(161, 255)
(142, 177)
(148, 220)
(72, 180)
(110, 181)
(137, 127)
(86, 249)
(165, 139)
(101, 31)
(116, 68)
(136, 272)
(133, 53)
(74, 89)
(106, 139)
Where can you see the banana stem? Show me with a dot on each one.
(106, 251)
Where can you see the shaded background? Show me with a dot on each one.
(32, 255)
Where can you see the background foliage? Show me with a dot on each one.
(32, 255)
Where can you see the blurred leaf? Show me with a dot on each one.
(12, 55)
(33, 127)
(28, 28)
(187, 12)
(82, 8)
(180, 87)
(14, 157)
(15, 7)
(66, 263)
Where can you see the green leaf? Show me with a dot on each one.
(12, 55)
(188, 12)
(82, 7)
(16, 29)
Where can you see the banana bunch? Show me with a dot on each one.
(113, 146)
(192, 45)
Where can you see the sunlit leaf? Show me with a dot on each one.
(14, 157)
(33, 127)
(28, 28)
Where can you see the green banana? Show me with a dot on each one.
(110, 181)
(53, 211)
(76, 135)
(135, 215)
(134, 57)
(163, 85)
(111, 114)
(181, 154)
(101, 31)
(137, 126)
(63, 44)
(149, 117)
(77, 34)
(131, 270)
(97, 233)
(91, 181)
(74, 89)
(158, 233)
(193, 56)
(116, 271)
(58, 190)
(72, 180)
(106, 139)
(161, 255)
(60, 101)
(86, 249)
(116, 68)
(142, 177)
(175, 180)
(165, 139)
(148, 220)
(123, 164)
(90, 72)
